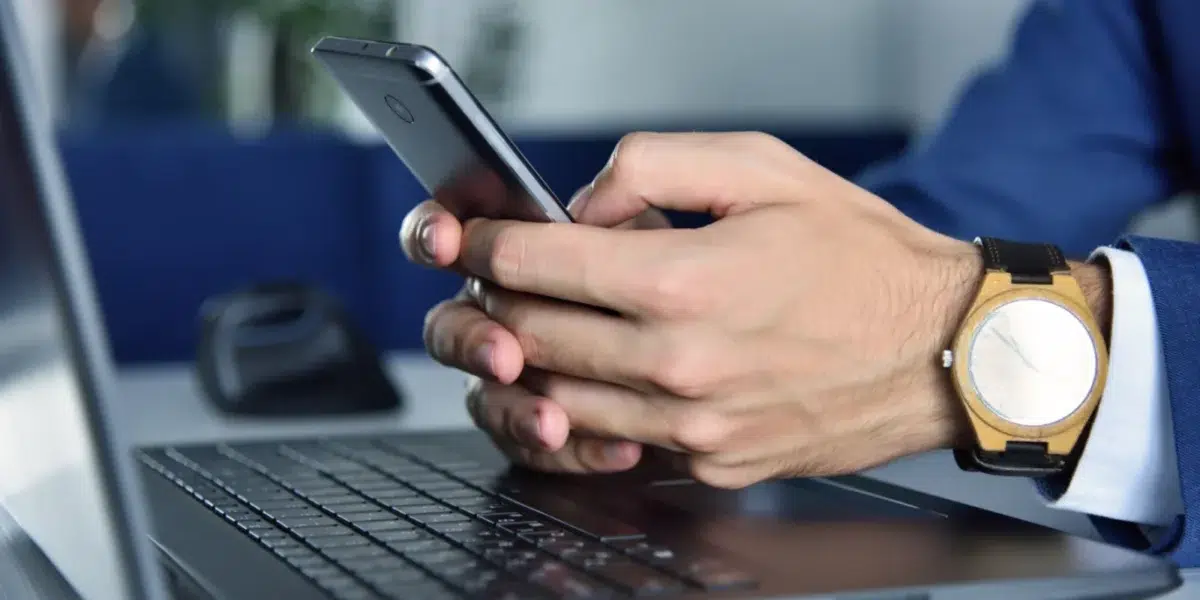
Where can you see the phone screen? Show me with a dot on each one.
(448, 141)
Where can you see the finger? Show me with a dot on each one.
(503, 412)
(579, 455)
(458, 334)
(648, 219)
(589, 265)
(431, 236)
(693, 172)
(517, 415)
(586, 455)
(603, 410)
(567, 338)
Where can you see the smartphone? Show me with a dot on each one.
(439, 130)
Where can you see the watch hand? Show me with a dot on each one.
(1015, 348)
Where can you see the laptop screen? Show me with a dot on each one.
(66, 473)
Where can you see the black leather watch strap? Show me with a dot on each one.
(1033, 264)
(1027, 263)
(1019, 459)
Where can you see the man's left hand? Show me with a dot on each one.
(798, 335)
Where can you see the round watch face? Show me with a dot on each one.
(1032, 362)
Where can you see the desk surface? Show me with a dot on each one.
(162, 404)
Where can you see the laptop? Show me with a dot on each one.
(426, 515)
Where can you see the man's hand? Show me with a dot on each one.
(797, 335)
(530, 429)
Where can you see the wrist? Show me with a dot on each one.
(1095, 280)
(956, 281)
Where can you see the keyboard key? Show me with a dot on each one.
(590, 522)
(430, 590)
(367, 517)
(358, 506)
(400, 535)
(295, 513)
(393, 524)
(530, 527)
(636, 579)
(567, 583)
(344, 586)
(306, 522)
(714, 575)
(322, 532)
(521, 563)
(470, 503)
(474, 580)
(394, 493)
(394, 577)
(322, 570)
(506, 516)
(417, 546)
(455, 527)
(402, 504)
(346, 555)
(307, 561)
(444, 517)
(323, 543)
(708, 572)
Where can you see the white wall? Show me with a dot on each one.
(940, 43)
(821, 62)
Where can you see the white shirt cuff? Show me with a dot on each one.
(1128, 468)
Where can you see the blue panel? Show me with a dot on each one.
(172, 217)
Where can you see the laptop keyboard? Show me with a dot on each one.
(375, 518)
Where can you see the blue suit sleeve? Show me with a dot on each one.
(1061, 141)
(1173, 269)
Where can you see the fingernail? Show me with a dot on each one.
(483, 357)
(579, 200)
(616, 451)
(426, 237)
(531, 430)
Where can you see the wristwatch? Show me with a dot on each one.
(1029, 363)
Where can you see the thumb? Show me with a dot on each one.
(717, 173)
(651, 218)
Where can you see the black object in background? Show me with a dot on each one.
(288, 349)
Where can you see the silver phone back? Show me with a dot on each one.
(434, 124)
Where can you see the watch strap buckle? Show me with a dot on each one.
(1018, 459)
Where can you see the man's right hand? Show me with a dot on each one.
(529, 429)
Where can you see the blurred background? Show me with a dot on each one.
(206, 151)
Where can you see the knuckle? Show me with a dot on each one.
(700, 430)
(554, 387)
(434, 332)
(516, 317)
(508, 256)
(675, 291)
(626, 158)
(681, 369)
(531, 346)
(762, 141)
(715, 475)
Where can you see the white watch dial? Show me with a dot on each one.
(1032, 362)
